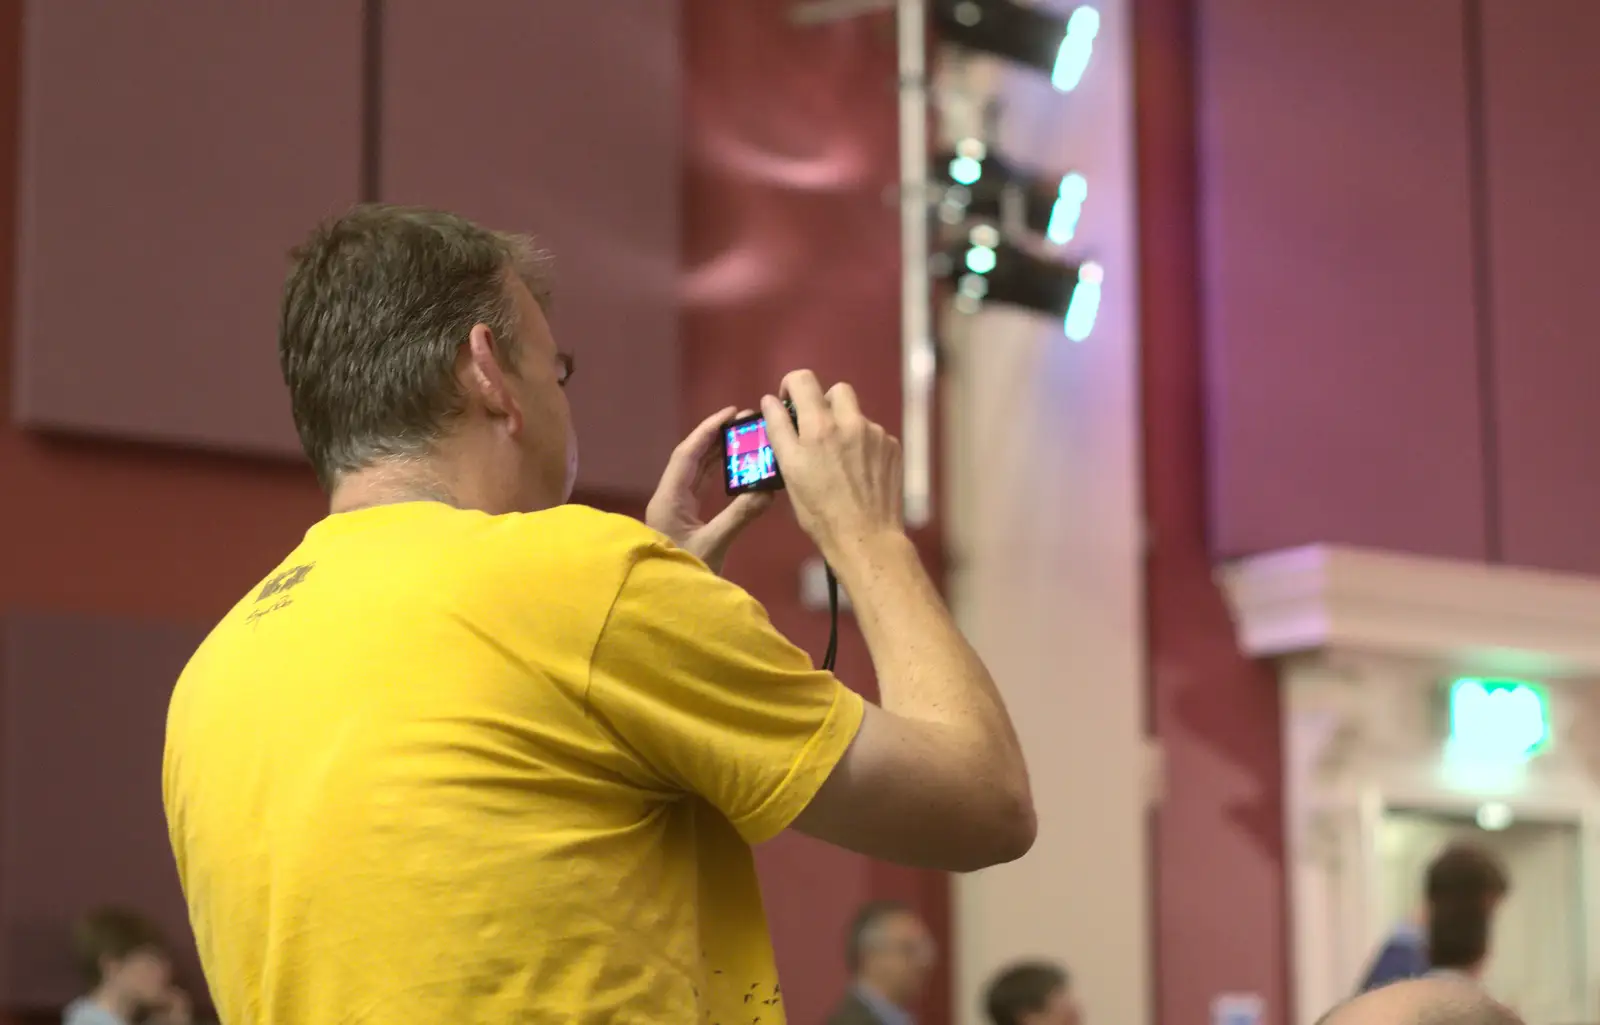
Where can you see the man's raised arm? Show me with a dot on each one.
(935, 777)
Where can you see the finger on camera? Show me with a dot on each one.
(713, 454)
(687, 459)
(710, 459)
(802, 388)
(844, 405)
(780, 429)
(752, 504)
(704, 434)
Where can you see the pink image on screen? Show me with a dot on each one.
(748, 438)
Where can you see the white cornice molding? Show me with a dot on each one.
(1472, 616)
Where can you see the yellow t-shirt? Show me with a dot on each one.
(445, 767)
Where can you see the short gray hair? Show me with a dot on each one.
(376, 308)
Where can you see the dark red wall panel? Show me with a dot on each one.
(85, 704)
(1219, 910)
(1542, 136)
(563, 120)
(1337, 268)
(170, 156)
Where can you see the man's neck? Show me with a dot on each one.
(344, 501)
(461, 478)
(392, 483)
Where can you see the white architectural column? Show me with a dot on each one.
(1366, 643)
(1043, 505)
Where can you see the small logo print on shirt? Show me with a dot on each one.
(284, 581)
(278, 589)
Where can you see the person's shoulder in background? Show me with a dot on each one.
(852, 1010)
(1403, 956)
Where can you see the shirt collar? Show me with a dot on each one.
(886, 1010)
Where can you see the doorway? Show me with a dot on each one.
(1537, 955)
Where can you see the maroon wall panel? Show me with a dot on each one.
(103, 525)
(1219, 910)
(85, 704)
(1542, 135)
(1337, 270)
(170, 156)
(117, 530)
(563, 120)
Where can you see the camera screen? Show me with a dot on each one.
(750, 465)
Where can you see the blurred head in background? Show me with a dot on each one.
(1031, 993)
(124, 959)
(891, 952)
(421, 366)
(1463, 887)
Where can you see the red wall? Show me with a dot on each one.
(119, 529)
(1540, 160)
(1219, 909)
(1337, 242)
(792, 257)
(1397, 206)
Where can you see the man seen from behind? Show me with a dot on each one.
(473, 754)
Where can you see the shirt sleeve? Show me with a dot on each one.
(690, 675)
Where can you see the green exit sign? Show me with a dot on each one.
(1498, 720)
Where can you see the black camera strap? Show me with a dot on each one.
(833, 620)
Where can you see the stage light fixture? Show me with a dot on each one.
(1059, 47)
(988, 269)
(977, 185)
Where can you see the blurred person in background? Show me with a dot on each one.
(1461, 906)
(889, 953)
(473, 754)
(1031, 993)
(1462, 887)
(125, 960)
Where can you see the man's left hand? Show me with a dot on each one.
(674, 510)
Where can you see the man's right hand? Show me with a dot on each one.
(842, 471)
(935, 776)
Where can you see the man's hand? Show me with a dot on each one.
(841, 469)
(935, 776)
(173, 1009)
(674, 510)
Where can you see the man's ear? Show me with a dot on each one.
(484, 381)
